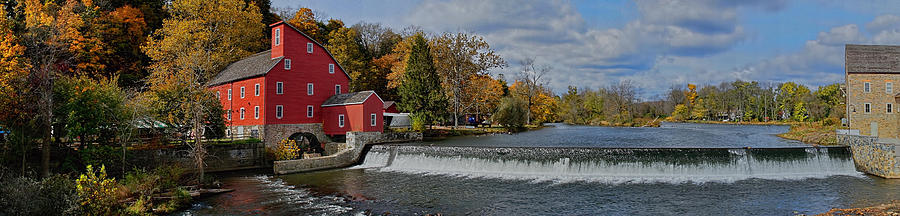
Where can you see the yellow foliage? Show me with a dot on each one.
(287, 149)
(542, 104)
(98, 195)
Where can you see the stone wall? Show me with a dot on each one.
(277, 132)
(878, 98)
(355, 146)
(219, 157)
(246, 131)
(871, 156)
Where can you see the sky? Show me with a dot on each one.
(655, 44)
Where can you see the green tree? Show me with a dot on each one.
(421, 89)
(512, 113)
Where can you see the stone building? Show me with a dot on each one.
(870, 73)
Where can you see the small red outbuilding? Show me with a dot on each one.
(357, 111)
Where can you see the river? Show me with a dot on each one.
(694, 169)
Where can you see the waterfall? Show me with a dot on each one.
(614, 165)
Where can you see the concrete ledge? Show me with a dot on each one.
(356, 143)
(873, 156)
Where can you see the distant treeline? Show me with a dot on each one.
(728, 101)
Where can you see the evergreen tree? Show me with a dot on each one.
(421, 89)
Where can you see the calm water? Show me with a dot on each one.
(574, 170)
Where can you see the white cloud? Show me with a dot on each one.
(556, 34)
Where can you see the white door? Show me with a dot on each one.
(874, 126)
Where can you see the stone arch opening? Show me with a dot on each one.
(307, 139)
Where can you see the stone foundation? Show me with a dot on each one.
(873, 156)
(277, 132)
(356, 143)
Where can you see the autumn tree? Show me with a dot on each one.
(532, 79)
(421, 91)
(458, 57)
(484, 94)
(196, 42)
(344, 46)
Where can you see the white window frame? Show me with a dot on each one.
(242, 113)
(372, 119)
(331, 68)
(256, 90)
(889, 87)
(867, 87)
(229, 94)
(218, 95)
(256, 112)
(279, 111)
(889, 108)
(341, 120)
(277, 37)
(242, 92)
(337, 89)
(279, 88)
(229, 115)
(309, 111)
(309, 47)
(867, 108)
(287, 64)
(310, 89)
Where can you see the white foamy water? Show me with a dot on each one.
(739, 164)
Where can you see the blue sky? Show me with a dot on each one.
(655, 44)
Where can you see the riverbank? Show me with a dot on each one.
(815, 133)
(637, 122)
(892, 208)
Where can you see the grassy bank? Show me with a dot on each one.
(743, 122)
(815, 133)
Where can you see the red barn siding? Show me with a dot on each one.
(305, 68)
(249, 101)
(356, 117)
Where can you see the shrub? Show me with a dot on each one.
(97, 193)
(26, 196)
(180, 197)
(103, 155)
(418, 122)
(287, 149)
(512, 113)
(830, 121)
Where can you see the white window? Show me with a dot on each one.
(229, 114)
(256, 90)
(866, 87)
(889, 87)
(229, 94)
(242, 92)
(868, 108)
(372, 119)
(331, 68)
(890, 108)
(309, 89)
(279, 88)
(277, 37)
(309, 47)
(256, 112)
(242, 113)
(337, 89)
(279, 111)
(218, 96)
(341, 120)
(309, 111)
(287, 64)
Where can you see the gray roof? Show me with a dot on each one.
(872, 58)
(388, 104)
(349, 98)
(255, 65)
